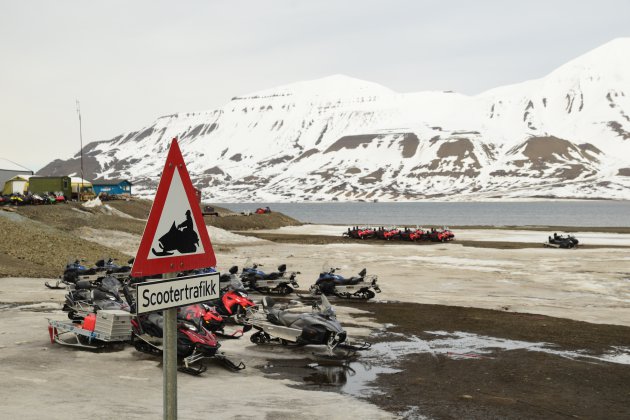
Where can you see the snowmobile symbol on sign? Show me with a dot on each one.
(175, 237)
(183, 238)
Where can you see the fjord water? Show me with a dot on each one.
(503, 213)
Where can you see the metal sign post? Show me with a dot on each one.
(169, 360)
(175, 239)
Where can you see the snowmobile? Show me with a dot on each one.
(443, 235)
(59, 197)
(194, 343)
(210, 319)
(234, 299)
(357, 287)
(76, 271)
(86, 298)
(559, 241)
(17, 199)
(280, 282)
(261, 210)
(388, 234)
(37, 199)
(320, 327)
(113, 269)
(230, 280)
(357, 232)
(412, 234)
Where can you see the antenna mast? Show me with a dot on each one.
(81, 151)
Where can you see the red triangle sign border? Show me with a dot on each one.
(143, 266)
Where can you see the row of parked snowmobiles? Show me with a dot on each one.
(252, 278)
(405, 234)
(283, 282)
(18, 199)
(76, 271)
(108, 289)
(560, 241)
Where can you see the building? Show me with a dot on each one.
(10, 169)
(46, 184)
(87, 190)
(112, 187)
(17, 184)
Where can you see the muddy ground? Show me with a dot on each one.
(525, 355)
(495, 383)
(505, 384)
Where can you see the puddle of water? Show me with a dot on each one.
(355, 377)
(462, 344)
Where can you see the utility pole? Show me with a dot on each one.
(81, 151)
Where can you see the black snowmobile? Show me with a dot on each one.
(356, 287)
(280, 282)
(320, 327)
(86, 297)
(559, 241)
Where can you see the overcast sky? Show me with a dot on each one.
(129, 62)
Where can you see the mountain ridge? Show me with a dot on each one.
(564, 135)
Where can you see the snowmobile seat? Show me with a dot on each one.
(287, 318)
(272, 276)
(351, 280)
(83, 284)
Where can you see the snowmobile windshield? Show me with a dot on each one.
(326, 267)
(328, 312)
(111, 284)
(235, 283)
(248, 263)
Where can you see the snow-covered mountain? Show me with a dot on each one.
(339, 138)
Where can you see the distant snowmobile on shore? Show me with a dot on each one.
(357, 232)
(559, 241)
(440, 235)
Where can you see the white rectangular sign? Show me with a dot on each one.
(171, 293)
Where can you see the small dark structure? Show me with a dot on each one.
(112, 187)
(43, 184)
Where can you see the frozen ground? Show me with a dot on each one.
(584, 284)
(43, 380)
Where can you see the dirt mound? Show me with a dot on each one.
(70, 216)
(135, 207)
(35, 249)
(42, 239)
(254, 221)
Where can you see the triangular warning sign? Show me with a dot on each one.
(175, 237)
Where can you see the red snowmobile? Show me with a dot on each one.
(442, 235)
(388, 234)
(412, 235)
